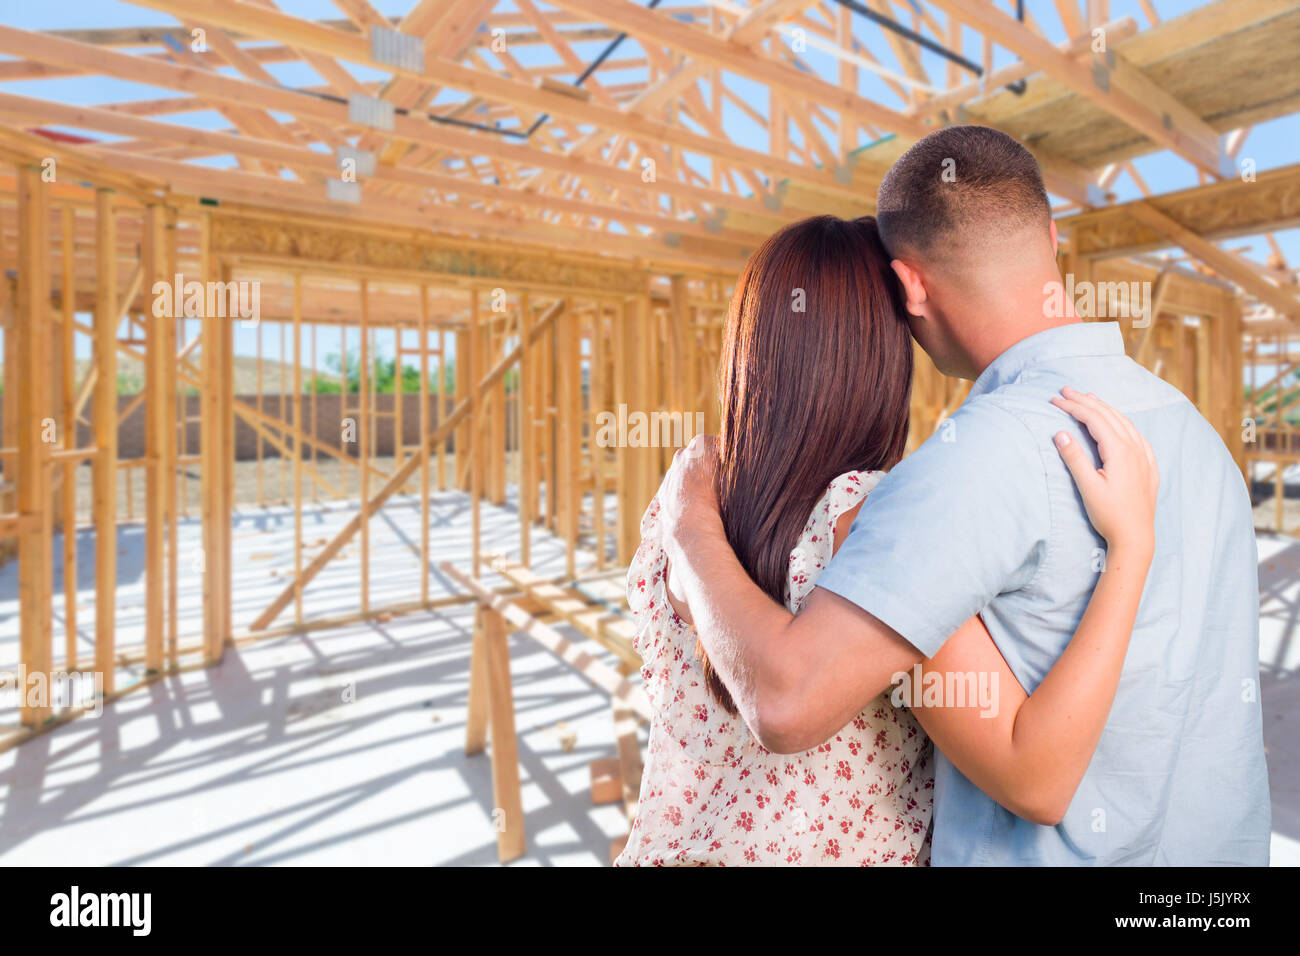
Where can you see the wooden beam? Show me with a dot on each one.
(1286, 301)
(305, 34)
(1222, 210)
(618, 687)
(1112, 84)
(738, 58)
(228, 89)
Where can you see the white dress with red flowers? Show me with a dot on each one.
(711, 794)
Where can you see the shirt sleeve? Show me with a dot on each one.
(962, 519)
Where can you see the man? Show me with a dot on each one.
(984, 518)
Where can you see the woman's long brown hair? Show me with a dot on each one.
(816, 379)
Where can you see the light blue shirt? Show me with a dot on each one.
(984, 518)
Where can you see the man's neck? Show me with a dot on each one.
(1020, 315)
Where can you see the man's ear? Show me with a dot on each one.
(913, 286)
(1051, 225)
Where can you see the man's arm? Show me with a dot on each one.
(795, 679)
(953, 525)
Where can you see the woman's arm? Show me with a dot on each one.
(795, 679)
(1032, 751)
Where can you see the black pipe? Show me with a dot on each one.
(591, 68)
(1019, 86)
(895, 27)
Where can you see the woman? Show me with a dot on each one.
(814, 410)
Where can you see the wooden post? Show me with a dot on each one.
(68, 299)
(155, 451)
(596, 405)
(439, 396)
(343, 406)
(1283, 437)
(261, 410)
(227, 378)
(398, 432)
(505, 749)
(1234, 378)
(568, 388)
(474, 430)
(35, 571)
(363, 433)
(424, 456)
(12, 372)
(551, 429)
(464, 386)
(283, 415)
(167, 435)
(625, 527)
(211, 447)
(497, 423)
(105, 464)
(476, 705)
(297, 446)
(571, 410)
(315, 430)
(524, 417)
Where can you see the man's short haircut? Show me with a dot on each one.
(958, 188)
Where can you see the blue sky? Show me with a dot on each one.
(1270, 145)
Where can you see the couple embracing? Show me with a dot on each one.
(1033, 641)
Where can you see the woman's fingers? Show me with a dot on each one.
(1078, 461)
(1098, 425)
(1119, 442)
(1121, 424)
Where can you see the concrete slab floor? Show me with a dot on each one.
(345, 746)
(263, 760)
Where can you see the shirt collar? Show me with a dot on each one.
(1076, 340)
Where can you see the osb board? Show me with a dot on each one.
(1233, 63)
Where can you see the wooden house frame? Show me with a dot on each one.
(573, 244)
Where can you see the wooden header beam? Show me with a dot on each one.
(1233, 207)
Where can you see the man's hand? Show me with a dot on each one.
(688, 497)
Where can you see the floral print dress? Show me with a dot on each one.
(711, 794)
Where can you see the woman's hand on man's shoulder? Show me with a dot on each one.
(688, 496)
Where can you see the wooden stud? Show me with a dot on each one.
(363, 434)
(105, 463)
(297, 446)
(35, 577)
(156, 359)
(67, 297)
(425, 517)
(476, 401)
(524, 417)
